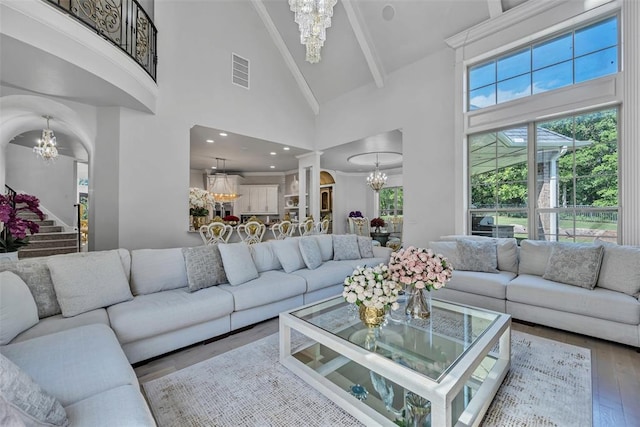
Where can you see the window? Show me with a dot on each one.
(580, 55)
(391, 199)
(552, 180)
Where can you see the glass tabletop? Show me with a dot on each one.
(431, 347)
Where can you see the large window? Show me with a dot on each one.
(391, 200)
(583, 54)
(551, 180)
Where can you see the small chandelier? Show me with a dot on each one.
(221, 189)
(46, 147)
(376, 179)
(313, 18)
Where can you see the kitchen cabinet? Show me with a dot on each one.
(258, 199)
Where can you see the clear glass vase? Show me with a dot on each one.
(418, 303)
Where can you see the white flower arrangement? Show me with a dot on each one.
(372, 287)
(199, 201)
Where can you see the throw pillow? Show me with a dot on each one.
(345, 246)
(85, 283)
(264, 257)
(534, 255)
(23, 394)
(310, 251)
(620, 269)
(326, 246)
(238, 264)
(156, 270)
(574, 264)
(507, 249)
(288, 252)
(204, 267)
(35, 274)
(449, 250)
(365, 246)
(477, 255)
(18, 311)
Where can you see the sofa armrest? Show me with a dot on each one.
(382, 252)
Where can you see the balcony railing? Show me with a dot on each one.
(122, 22)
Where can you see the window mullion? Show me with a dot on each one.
(532, 180)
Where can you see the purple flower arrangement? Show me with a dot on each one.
(355, 214)
(14, 233)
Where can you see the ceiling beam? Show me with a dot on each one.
(495, 8)
(364, 40)
(286, 55)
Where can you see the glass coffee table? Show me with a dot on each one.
(449, 366)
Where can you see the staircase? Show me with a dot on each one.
(50, 240)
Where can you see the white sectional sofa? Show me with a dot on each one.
(591, 289)
(88, 317)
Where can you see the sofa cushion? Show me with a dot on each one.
(328, 274)
(204, 267)
(81, 362)
(365, 262)
(155, 270)
(288, 253)
(18, 311)
(345, 246)
(86, 283)
(58, 323)
(34, 406)
(599, 303)
(325, 241)
(310, 251)
(480, 283)
(35, 273)
(365, 246)
(448, 249)
(620, 269)
(477, 255)
(238, 264)
(507, 249)
(534, 255)
(270, 287)
(574, 264)
(154, 314)
(264, 258)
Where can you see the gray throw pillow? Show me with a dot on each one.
(22, 393)
(574, 264)
(310, 251)
(345, 247)
(620, 269)
(477, 255)
(289, 254)
(365, 246)
(35, 274)
(325, 241)
(204, 267)
(85, 283)
(18, 311)
(238, 264)
(449, 250)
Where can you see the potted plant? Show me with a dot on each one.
(14, 228)
(377, 223)
(199, 202)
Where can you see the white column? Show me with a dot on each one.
(630, 129)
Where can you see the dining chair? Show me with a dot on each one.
(282, 230)
(307, 227)
(322, 227)
(251, 232)
(216, 232)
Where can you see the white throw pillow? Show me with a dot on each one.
(288, 252)
(264, 257)
(534, 255)
(85, 283)
(310, 251)
(325, 241)
(155, 270)
(620, 268)
(18, 311)
(238, 264)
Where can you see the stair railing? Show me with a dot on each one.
(11, 194)
(78, 207)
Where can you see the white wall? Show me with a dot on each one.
(54, 184)
(195, 88)
(418, 100)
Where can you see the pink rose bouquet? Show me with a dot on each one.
(420, 268)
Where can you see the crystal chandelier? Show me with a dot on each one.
(221, 189)
(313, 18)
(46, 147)
(376, 179)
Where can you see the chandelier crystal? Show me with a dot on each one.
(376, 179)
(46, 147)
(221, 189)
(313, 18)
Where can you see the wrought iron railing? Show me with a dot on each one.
(122, 22)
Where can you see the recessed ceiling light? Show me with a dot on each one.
(285, 148)
(272, 167)
(388, 12)
(273, 153)
(214, 167)
(210, 141)
(223, 134)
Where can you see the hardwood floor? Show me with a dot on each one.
(615, 368)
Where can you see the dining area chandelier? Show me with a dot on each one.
(313, 18)
(221, 188)
(376, 179)
(46, 146)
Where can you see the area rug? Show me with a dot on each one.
(549, 384)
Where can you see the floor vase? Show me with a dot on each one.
(418, 303)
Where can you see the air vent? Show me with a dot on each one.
(240, 71)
